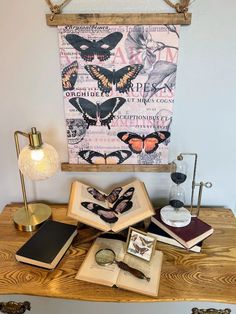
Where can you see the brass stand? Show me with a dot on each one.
(31, 216)
(201, 185)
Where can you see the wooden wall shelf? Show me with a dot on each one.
(119, 19)
(115, 168)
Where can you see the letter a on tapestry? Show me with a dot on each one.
(118, 85)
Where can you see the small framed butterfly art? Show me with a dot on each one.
(140, 244)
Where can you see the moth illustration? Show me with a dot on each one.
(121, 78)
(100, 113)
(134, 237)
(94, 157)
(105, 214)
(111, 197)
(124, 202)
(69, 76)
(149, 143)
(140, 250)
(101, 48)
(145, 242)
(110, 215)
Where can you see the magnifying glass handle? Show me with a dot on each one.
(135, 272)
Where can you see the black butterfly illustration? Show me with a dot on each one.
(100, 113)
(101, 48)
(111, 197)
(146, 242)
(148, 143)
(109, 215)
(116, 157)
(121, 78)
(69, 76)
(140, 250)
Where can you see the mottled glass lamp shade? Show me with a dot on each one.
(38, 164)
(37, 161)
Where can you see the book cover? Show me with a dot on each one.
(189, 235)
(112, 275)
(48, 245)
(164, 237)
(122, 207)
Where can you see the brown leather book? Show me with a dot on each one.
(189, 235)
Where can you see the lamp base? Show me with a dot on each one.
(38, 213)
(175, 218)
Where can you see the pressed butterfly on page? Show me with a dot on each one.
(138, 143)
(89, 48)
(120, 206)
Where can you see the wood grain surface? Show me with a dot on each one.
(119, 19)
(115, 168)
(206, 276)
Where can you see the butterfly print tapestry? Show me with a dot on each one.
(119, 81)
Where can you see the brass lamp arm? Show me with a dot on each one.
(21, 175)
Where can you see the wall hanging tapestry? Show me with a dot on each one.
(118, 84)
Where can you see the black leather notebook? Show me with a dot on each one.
(48, 245)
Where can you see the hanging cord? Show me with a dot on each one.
(180, 7)
(56, 8)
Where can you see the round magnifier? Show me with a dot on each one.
(105, 257)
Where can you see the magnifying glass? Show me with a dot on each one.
(105, 257)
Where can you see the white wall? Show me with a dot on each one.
(204, 113)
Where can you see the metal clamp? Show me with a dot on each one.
(12, 307)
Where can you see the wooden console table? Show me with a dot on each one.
(206, 276)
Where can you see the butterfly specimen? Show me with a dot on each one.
(101, 113)
(105, 214)
(140, 250)
(116, 157)
(146, 242)
(101, 48)
(109, 215)
(69, 76)
(148, 143)
(111, 198)
(121, 78)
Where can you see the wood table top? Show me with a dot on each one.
(186, 276)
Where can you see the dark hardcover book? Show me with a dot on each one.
(48, 245)
(189, 235)
(164, 237)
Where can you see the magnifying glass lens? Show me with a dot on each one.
(105, 257)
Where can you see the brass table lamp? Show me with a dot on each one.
(38, 161)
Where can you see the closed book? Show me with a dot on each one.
(164, 237)
(189, 235)
(48, 245)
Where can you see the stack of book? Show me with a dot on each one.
(189, 237)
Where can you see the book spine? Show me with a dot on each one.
(173, 242)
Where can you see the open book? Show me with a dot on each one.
(124, 206)
(112, 275)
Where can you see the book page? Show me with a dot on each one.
(151, 269)
(80, 194)
(104, 275)
(142, 207)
